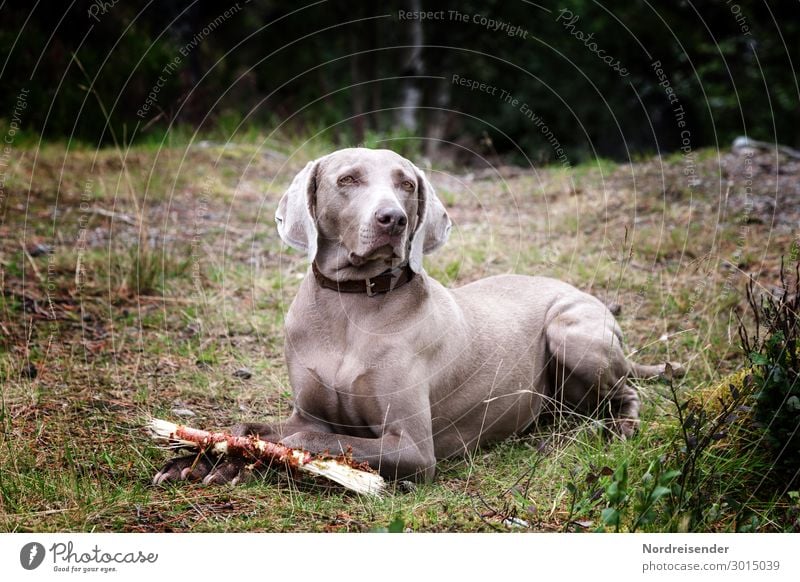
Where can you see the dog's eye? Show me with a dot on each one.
(346, 181)
(407, 185)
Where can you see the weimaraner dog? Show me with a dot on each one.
(385, 360)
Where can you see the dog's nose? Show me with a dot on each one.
(390, 219)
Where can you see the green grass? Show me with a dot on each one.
(164, 315)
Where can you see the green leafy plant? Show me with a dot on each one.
(617, 495)
(793, 512)
(584, 498)
(712, 449)
(636, 503)
(397, 525)
(776, 372)
(657, 484)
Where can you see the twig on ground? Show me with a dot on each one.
(115, 216)
(342, 470)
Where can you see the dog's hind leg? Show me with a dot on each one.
(589, 368)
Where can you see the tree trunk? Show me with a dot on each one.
(357, 92)
(439, 120)
(413, 67)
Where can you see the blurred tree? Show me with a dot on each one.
(583, 70)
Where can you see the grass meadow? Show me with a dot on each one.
(150, 281)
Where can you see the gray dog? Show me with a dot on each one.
(384, 359)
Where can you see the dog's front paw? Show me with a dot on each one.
(209, 470)
(624, 428)
(405, 486)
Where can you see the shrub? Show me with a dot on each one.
(776, 371)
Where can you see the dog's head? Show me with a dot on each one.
(358, 212)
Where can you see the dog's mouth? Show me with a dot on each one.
(382, 252)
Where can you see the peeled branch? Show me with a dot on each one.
(356, 477)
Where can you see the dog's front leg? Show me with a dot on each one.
(395, 455)
(386, 423)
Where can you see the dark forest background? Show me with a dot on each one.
(352, 69)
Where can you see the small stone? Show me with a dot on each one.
(194, 328)
(40, 249)
(243, 374)
(183, 412)
(29, 371)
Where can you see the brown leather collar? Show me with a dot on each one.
(383, 283)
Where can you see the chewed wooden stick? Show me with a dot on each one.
(340, 470)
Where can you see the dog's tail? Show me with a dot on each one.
(659, 370)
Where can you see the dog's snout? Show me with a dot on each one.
(390, 219)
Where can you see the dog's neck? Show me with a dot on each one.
(333, 263)
(333, 270)
(385, 282)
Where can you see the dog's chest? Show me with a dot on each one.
(350, 338)
(356, 362)
(350, 393)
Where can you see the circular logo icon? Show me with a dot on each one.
(31, 555)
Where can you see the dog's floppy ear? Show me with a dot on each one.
(295, 214)
(433, 223)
